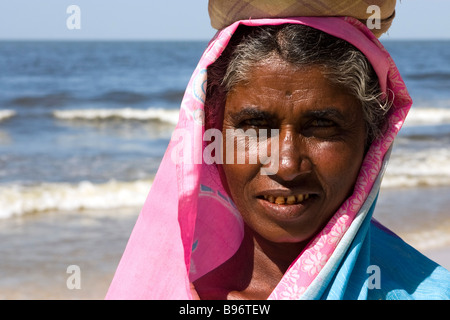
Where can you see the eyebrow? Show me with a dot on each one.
(252, 112)
(326, 113)
(256, 113)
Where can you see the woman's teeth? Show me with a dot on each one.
(287, 200)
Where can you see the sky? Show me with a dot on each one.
(173, 20)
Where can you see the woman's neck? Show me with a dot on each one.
(253, 271)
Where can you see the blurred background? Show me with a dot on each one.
(86, 115)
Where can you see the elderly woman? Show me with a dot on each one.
(327, 94)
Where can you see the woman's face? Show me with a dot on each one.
(321, 148)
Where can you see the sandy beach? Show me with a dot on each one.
(38, 249)
(441, 256)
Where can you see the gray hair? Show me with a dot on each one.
(300, 45)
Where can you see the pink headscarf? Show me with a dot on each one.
(189, 224)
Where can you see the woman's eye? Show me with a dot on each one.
(322, 123)
(321, 128)
(255, 123)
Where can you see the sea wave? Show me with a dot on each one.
(436, 75)
(429, 239)
(158, 114)
(411, 181)
(18, 200)
(6, 114)
(426, 168)
(58, 99)
(51, 99)
(121, 97)
(427, 116)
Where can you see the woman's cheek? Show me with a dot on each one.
(338, 164)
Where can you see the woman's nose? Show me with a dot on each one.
(293, 160)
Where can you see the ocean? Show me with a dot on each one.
(84, 126)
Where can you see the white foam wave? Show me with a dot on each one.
(164, 115)
(428, 239)
(16, 200)
(427, 116)
(418, 168)
(5, 114)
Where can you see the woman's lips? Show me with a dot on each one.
(288, 207)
